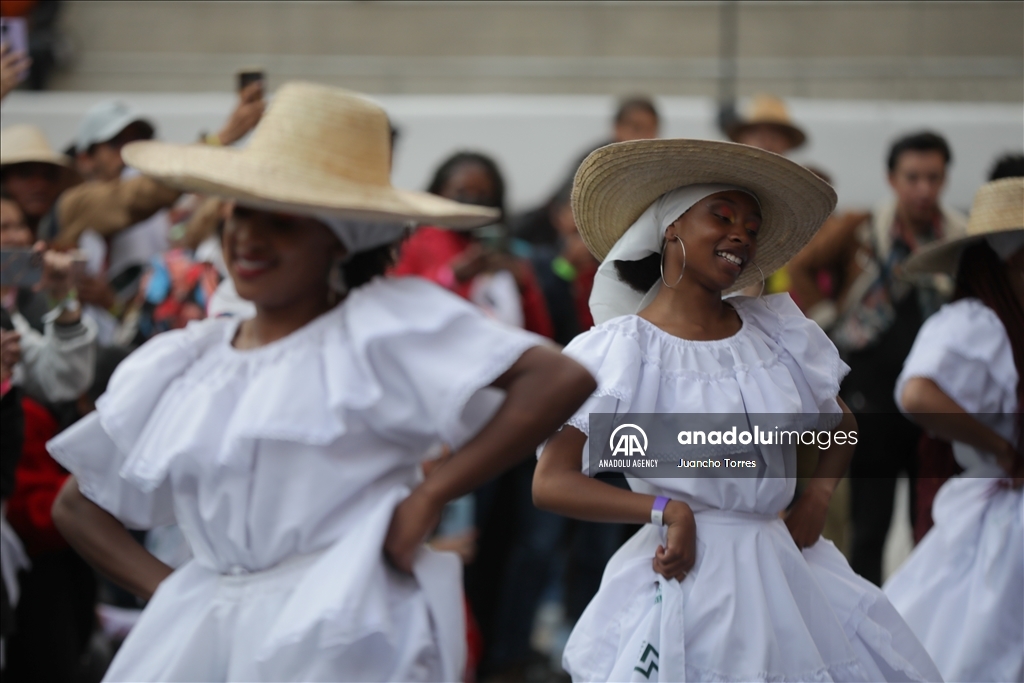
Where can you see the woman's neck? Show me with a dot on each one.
(272, 323)
(693, 312)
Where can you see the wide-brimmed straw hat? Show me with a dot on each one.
(317, 151)
(25, 144)
(616, 183)
(767, 110)
(998, 208)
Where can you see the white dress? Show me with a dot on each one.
(282, 466)
(753, 607)
(962, 589)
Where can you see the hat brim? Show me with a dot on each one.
(287, 187)
(944, 257)
(36, 158)
(114, 128)
(68, 174)
(795, 136)
(616, 183)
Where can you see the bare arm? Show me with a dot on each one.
(806, 520)
(827, 249)
(559, 486)
(543, 389)
(932, 408)
(105, 544)
(109, 207)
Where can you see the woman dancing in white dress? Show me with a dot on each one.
(726, 590)
(285, 446)
(962, 589)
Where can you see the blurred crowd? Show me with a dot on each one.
(99, 259)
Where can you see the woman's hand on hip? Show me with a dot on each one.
(413, 520)
(676, 558)
(806, 519)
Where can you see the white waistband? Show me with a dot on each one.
(294, 563)
(733, 516)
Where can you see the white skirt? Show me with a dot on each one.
(962, 589)
(753, 608)
(341, 614)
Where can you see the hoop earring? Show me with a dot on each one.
(761, 293)
(336, 285)
(681, 271)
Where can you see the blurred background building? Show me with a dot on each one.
(950, 51)
(535, 83)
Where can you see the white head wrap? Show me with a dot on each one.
(1006, 244)
(611, 297)
(357, 236)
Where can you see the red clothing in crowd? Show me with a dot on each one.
(37, 480)
(429, 253)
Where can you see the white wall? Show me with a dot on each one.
(536, 139)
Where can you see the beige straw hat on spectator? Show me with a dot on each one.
(616, 183)
(25, 144)
(317, 151)
(768, 110)
(998, 209)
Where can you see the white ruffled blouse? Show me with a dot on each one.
(965, 350)
(291, 449)
(753, 607)
(778, 362)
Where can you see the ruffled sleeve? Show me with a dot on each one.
(432, 356)
(96, 448)
(615, 359)
(964, 349)
(808, 353)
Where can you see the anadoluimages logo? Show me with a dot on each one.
(628, 442)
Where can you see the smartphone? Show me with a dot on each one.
(14, 34)
(249, 76)
(20, 267)
(493, 236)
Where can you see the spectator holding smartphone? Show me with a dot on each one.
(14, 68)
(58, 347)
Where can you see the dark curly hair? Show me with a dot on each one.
(366, 265)
(640, 275)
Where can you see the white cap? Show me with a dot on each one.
(104, 121)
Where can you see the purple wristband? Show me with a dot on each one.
(658, 511)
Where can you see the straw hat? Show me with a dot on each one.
(767, 110)
(616, 183)
(28, 144)
(317, 151)
(998, 208)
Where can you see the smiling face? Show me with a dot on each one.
(720, 235)
(277, 260)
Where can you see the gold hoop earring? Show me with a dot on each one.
(681, 270)
(762, 292)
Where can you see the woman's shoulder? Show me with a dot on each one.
(964, 348)
(392, 304)
(965, 324)
(189, 343)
